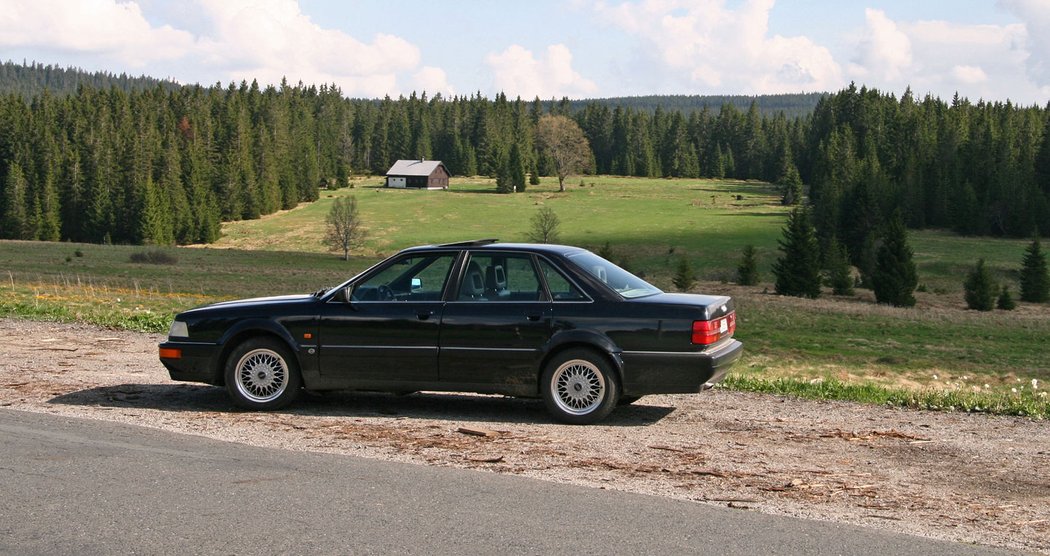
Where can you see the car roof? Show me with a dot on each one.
(492, 244)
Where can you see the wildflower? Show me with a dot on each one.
(1014, 390)
(1035, 384)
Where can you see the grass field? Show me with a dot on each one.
(936, 355)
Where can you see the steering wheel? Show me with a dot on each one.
(385, 293)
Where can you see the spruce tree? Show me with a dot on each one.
(839, 274)
(684, 277)
(13, 220)
(516, 169)
(1035, 281)
(894, 279)
(1005, 301)
(979, 288)
(747, 270)
(798, 270)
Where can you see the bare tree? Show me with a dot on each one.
(545, 224)
(344, 226)
(563, 141)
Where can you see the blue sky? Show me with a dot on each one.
(991, 49)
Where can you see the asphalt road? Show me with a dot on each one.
(71, 486)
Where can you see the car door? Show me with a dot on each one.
(387, 328)
(494, 327)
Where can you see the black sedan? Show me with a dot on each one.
(526, 320)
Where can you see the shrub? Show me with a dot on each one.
(154, 256)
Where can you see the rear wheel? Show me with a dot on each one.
(262, 374)
(580, 387)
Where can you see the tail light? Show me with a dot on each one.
(707, 332)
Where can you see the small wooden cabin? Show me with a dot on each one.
(418, 174)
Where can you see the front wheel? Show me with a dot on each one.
(579, 387)
(262, 374)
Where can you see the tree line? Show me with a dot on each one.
(166, 165)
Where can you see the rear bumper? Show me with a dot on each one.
(646, 372)
(191, 362)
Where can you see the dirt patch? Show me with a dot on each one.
(961, 477)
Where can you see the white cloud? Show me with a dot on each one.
(103, 27)
(433, 80)
(517, 72)
(269, 39)
(885, 51)
(705, 46)
(1036, 17)
(941, 57)
(239, 39)
(969, 74)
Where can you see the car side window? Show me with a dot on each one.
(500, 277)
(560, 286)
(412, 278)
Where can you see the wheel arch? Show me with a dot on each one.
(585, 339)
(246, 330)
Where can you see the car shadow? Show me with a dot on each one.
(418, 405)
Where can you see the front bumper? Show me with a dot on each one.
(191, 361)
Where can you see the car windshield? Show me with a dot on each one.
(626, 284)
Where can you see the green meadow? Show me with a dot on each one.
(937, 355)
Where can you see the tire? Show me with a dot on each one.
(628, 400)
(262, 374)
(579, 387)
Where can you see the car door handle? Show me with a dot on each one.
(424, 315)
(533, 317)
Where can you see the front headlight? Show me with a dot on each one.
(178, 330)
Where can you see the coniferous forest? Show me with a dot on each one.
(161, 164)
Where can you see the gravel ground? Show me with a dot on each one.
(954, 476)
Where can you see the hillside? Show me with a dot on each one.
(29, 80)
(791, 105)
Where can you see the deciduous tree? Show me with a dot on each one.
(545, 226)
(344, 226)
(562, 140)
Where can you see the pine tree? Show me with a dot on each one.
(894, 279)
(839, 274)
(1005, 301)
(979, 288)
(1035, 281)
(747, 270)
(798, 270)
(684, 277)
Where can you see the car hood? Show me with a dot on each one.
(258, 301)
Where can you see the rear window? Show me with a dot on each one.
(624, 283)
